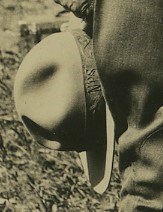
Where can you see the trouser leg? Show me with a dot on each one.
(141, 167)
(128, 43)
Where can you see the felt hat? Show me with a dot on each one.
(59, 99)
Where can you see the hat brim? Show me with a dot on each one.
(97, 164)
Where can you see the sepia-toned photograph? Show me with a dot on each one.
(81, 106)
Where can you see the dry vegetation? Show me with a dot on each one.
(33, 178)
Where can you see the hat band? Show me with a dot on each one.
(95, 104)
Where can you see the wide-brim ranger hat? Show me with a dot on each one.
(59, 99)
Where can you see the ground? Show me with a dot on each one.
(33, 178)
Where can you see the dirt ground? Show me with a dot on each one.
(33, 178)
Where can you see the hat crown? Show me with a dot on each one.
(58, 87)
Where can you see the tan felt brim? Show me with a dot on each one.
(98, 164)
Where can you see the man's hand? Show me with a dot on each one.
(80, 8)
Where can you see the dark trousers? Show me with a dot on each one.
(128, 44)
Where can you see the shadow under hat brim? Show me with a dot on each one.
(97, 164)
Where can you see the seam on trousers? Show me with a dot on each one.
(148, 137)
